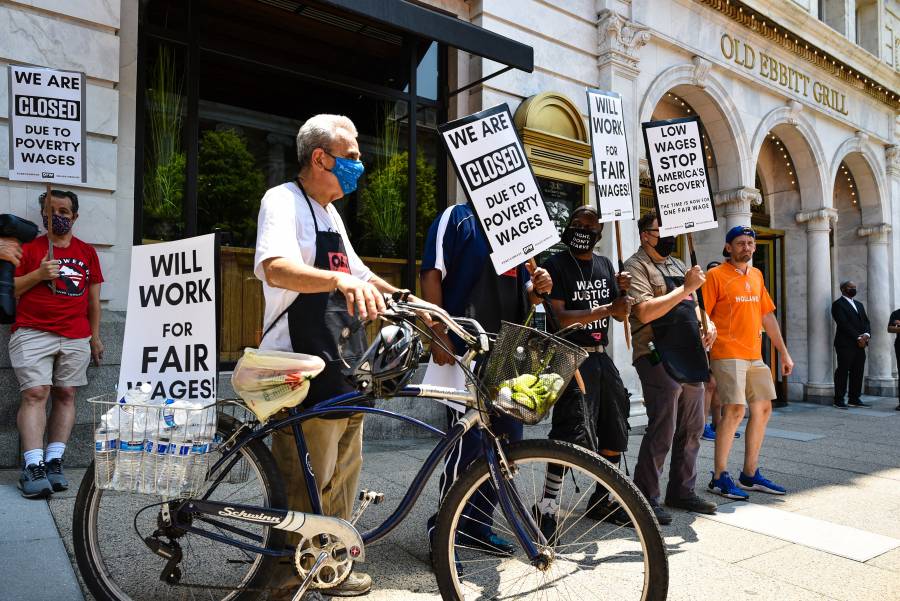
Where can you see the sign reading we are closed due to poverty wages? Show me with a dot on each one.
(170, 328)
(680, 176)
(609, 148)
(47, 126)
(490, 162)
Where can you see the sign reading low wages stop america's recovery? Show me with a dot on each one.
(46, 130)
(170, 328)
(490, 161)
(609, 148)
(678, 169)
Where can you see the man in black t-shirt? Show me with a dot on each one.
(586, 290)
(894, 328)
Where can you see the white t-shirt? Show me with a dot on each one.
(286, 229)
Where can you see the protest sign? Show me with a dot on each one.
(170, 327)
(684, 201)
(490, 162)
(46, 125)
(609, 148)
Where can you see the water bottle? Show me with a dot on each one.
(156, 451)
(655, 357)
(174, 473)
(132, 431)
(105, 446)
(199, 463)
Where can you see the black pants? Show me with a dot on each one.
(897, 353)
(851, 362)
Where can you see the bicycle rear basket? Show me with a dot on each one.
(528, 370)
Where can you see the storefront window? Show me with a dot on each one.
(222, 112)
(164, 149)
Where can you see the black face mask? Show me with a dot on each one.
(579, 239)
(665, 246)
(850, 292)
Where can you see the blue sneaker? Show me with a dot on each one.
(708, 432)
(760, 483)
(725, 486)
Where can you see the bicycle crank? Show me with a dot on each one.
(322, 560)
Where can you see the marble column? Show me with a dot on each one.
(879, 380)
(892, 158)
(819, 384)
(619, 42)
(735, 205)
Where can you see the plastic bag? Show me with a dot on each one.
(270, 381)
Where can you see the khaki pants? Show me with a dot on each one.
(335, 454)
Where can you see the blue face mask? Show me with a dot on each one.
(347, 172)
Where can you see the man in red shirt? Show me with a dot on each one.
(54, 337)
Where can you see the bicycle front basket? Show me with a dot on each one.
(528, 370)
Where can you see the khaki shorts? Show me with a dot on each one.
(740, 381)
(42, 358)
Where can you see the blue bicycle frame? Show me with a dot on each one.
(518, 516)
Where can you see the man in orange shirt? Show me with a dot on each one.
(739, 304)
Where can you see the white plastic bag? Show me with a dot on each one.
(270, 381)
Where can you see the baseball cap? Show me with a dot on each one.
(738, 230)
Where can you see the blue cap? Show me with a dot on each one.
(739, 230)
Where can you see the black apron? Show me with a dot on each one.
(676, 336)
(316, 320)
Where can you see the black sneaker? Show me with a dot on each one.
(692, 503)
(662, 516)
(34, 483)
(55, 475)
(858, 404)
(547, 524)
(602, 509)
(840, 404)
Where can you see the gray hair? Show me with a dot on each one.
(319, 132)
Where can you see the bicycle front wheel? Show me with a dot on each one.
(603, 540)
(109, 528)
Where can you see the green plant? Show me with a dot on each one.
(384, 199)
(164, 173)
(229, 186)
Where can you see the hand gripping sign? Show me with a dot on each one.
(684, 201)
(490, 162)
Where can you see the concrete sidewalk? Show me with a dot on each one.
(841, 468)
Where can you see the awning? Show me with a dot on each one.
(426, 23)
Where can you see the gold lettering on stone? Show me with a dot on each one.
(770, 68)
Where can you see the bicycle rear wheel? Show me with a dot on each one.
(109, 528)
(611, 554)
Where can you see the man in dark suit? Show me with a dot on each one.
(850, 342)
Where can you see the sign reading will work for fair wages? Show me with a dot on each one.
(47, 125)
(490, 162)
(170, 327)
(684, 201)
(609, 149)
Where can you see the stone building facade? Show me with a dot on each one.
(798, 100)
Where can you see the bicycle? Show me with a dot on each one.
(225, 541)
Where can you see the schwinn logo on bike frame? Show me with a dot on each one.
(231, 512)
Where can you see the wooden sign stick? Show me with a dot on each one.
(626, 323)
(551, 318)
(48, 208)
(704, 326)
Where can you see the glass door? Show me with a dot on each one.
(768, 259)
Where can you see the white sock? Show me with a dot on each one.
(34, 456)
(55, 450)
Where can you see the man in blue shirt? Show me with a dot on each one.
(458, 275)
